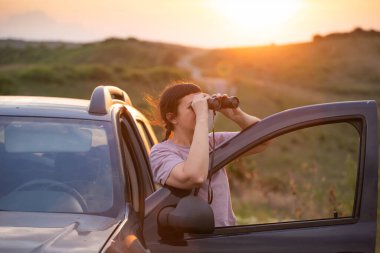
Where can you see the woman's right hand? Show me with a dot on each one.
(199, 105)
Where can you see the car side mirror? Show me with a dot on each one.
(191, 215)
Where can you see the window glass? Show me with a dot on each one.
(144, 135)
(307, 174)
(58, 165)
(149, 187)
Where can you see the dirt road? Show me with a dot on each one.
(214, 84)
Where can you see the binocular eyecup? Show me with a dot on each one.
(215, 103)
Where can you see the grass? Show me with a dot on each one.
(305, 175)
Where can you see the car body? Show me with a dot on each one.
(75, 176)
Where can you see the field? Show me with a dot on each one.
(299, 176)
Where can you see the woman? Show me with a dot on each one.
(182, 161)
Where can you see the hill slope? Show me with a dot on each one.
(73, 70)
(344, 65)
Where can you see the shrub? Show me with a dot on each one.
(6, 85)
(5, 80)
(170, 58)
(135, 75)
(95, 72)
(165, 74)
(41, 74)
(67, 72)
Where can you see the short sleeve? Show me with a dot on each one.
(162, 161)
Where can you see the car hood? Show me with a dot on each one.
(54, 232)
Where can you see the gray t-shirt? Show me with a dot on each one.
(166, 155)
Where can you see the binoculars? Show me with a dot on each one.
(215, 103)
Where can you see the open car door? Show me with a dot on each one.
(348, 227)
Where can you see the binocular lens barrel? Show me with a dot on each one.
(216, 104)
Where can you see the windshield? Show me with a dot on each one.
(58, 165)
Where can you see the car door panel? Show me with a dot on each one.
(352, 234)
(334, 239)
(362, 111)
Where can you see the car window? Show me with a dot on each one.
(148, 140)
(144, 135)
(58, 165)
(308, 174)
(140, 153)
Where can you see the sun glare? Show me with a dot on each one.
(256, 14)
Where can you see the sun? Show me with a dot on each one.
(256, 14)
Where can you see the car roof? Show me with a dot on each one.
(48, 107)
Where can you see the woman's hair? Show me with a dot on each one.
(169, 100)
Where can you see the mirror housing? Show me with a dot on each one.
(191, 215)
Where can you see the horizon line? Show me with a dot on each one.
(57, 41)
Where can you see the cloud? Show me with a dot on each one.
(37, 25)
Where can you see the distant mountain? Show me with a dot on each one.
(357, 33)
(21, 44)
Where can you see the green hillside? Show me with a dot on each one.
(336, 67)
(73, 70)
(130, 52)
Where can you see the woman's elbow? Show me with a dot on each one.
(198, 181)
(195, 178)
(189, 182)
(181, 177)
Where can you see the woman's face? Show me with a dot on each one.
(185, 118)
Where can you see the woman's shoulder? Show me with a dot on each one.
(166, 150)
(162, 146)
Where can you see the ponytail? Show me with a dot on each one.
(168, 131)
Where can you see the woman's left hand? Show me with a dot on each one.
(230, 113)
(238, 115)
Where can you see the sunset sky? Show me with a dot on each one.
(201, 23)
